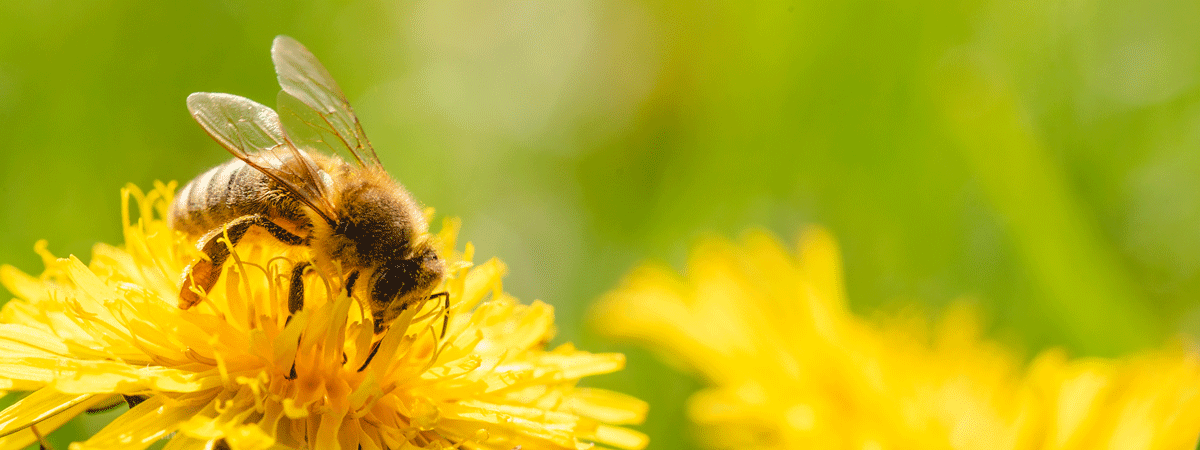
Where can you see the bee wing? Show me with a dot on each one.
(253, 133)
(314, 107)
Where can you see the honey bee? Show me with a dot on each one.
(352, 215)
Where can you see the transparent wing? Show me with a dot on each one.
(313, 107)
(253, 133)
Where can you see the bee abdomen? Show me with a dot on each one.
(226, 192)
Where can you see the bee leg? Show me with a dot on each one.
(379, 329)
(445, 317)
(203, 274)
(107, 405)
(350, 280)
(374, 349)
(296, 289)
(295, 301)
(134, 400)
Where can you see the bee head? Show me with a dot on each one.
(403, 283)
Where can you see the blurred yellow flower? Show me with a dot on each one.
(83, 337)
(789, 367)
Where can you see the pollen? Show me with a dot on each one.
(238, 371)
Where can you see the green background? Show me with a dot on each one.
(1039, 158)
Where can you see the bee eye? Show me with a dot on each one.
(392, 280)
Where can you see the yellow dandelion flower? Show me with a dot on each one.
(788, 366)
(218, 375)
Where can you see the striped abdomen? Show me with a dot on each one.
(232, 190)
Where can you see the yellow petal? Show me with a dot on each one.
(606, 406)
(21, 284)
(577, 365)
(242, 437)
(46, 407)
(185, 442)
(25, 374)
(481, 280)
(144, 424)
(20, 341)
(621, 437)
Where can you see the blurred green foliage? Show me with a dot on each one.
(1039, 158)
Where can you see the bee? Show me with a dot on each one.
(352, 215)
